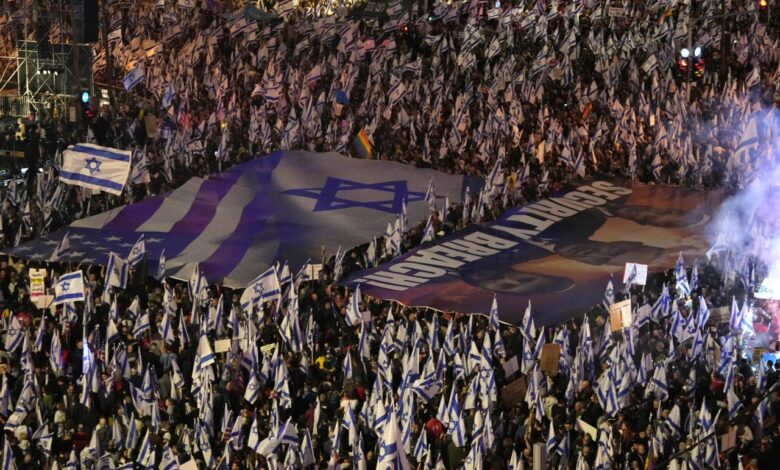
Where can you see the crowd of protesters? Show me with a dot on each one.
(549, 94)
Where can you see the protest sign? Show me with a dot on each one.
(551, 353)
(514, 392)
(221, 345)
(37, 283)
(620, 315)
(636, 272)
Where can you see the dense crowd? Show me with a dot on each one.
(535, 92)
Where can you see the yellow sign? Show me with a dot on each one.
(37, 282)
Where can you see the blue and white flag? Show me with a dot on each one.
(9, 461)
(137, 253)
(205, 356)
(681, 277)
(552, 441)
(96, 167)
(234, 225)
(252, 392)
(134, 77)
(391, 448)
(169, 461)
(145, 453)
(116, 271)
(264, 288)
(457, 427)
(161, 266)
(168, 95)
(354, 316)
(62, 248)
(15, 334)
(69, 288)
(609, 294)
(141, 325)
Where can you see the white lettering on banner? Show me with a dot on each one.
(405, 267)
(432, 259)
(433, 262)
(447, 249)
(478, 250)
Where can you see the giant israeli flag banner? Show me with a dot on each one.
(234, 225)
(95, 167)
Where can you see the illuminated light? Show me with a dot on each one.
(85, 97)
(498, 4)
(685, 52)
(762, 3)
(697, 52)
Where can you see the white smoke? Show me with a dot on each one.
(747, 225)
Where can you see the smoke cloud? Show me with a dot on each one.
(748, 223)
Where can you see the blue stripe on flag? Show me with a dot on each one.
(91, 180)
(69, 296)
(104, 153)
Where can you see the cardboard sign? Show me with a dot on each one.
(548, 363)
(758, 353)
(511, 366)
(514, 392)
(769, 289)
(189, 465)
(719, 315)
(640, 275)
(615, 11)
(37, 283)
(620, 315)
(221, 345)
(313, 271)
(587, 428)
(43, 301)
(728, 440)
(268, 348)
(150, 122)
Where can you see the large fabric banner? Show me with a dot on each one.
(289, 205)
(558, 252)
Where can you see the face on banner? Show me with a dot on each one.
(563, 268)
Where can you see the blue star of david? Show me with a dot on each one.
(92, 165)
(331, 195)
(65, 285)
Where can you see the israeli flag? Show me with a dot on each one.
(62, 248)
(134, 77)
(69, 288)
(137, 253)
(161, 266)
(116, 271)
(145, 454)
(8, 456)
(96, 167)
(264, 288)
(167, 98)
(14, 335)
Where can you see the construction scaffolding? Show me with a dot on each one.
(45, 70)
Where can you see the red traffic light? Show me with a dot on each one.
(762, 4)
(89, 112)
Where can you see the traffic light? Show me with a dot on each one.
(763, 11)
(691, 63)
(88, 111)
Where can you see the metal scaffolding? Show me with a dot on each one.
(45, 70)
